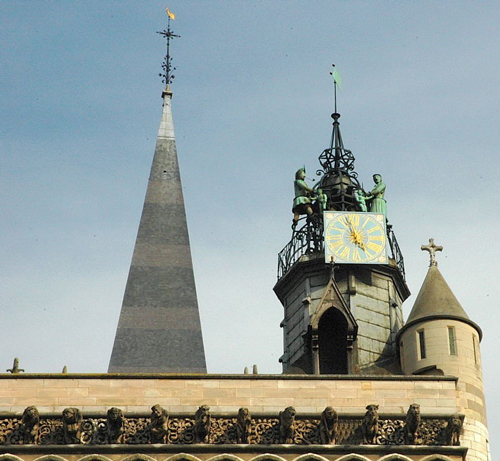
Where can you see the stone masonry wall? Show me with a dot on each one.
(226, 393)
(370, 296)
(301, 302)
(374, 302)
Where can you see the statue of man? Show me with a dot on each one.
(302, 203)
(376, 196)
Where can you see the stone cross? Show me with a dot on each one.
(432, 248)
(15, 367)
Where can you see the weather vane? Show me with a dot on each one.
(337, 81)
(167, 74)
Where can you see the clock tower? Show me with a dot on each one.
(341, 277)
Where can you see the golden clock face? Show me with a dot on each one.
(355, 237)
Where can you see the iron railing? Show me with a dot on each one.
(309, 239)
(397, 255)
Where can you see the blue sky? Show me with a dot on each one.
(252, 101)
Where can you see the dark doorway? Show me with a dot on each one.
(332, 343)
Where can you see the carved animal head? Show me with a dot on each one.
(414, 409)
(71, 416)
(288, 414)
(115, 415)
(329, 415)
(244, 416)
(158, 414)
(454, 423)
(372, 413)
(202, 415)
(30, 416)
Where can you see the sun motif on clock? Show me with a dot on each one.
(355, 237)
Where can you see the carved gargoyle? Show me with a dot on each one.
(287, 424)
(202, 421)
(452, 431)
(72, 420)
(158, 426)
(328, 426)
(115, 422)
(243, 425)
(370, 425)
(412, 424)
(30, 424)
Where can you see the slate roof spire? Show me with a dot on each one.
(159, 329)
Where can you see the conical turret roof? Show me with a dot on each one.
(435, 300)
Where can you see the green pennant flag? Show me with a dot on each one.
(337, 78)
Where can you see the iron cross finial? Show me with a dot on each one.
(432, 248)
(167, 75)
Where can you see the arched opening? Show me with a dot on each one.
(332, 338)
(181, 457)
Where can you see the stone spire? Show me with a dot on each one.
(159, 330)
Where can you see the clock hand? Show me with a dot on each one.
(355, 235)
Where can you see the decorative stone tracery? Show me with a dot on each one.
(242, 428)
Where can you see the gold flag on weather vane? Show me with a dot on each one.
(170, 15)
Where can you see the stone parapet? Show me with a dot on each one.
(95, 393)
(265, 395)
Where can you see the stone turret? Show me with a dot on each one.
(440, 339)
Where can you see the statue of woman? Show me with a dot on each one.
(376, 196)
